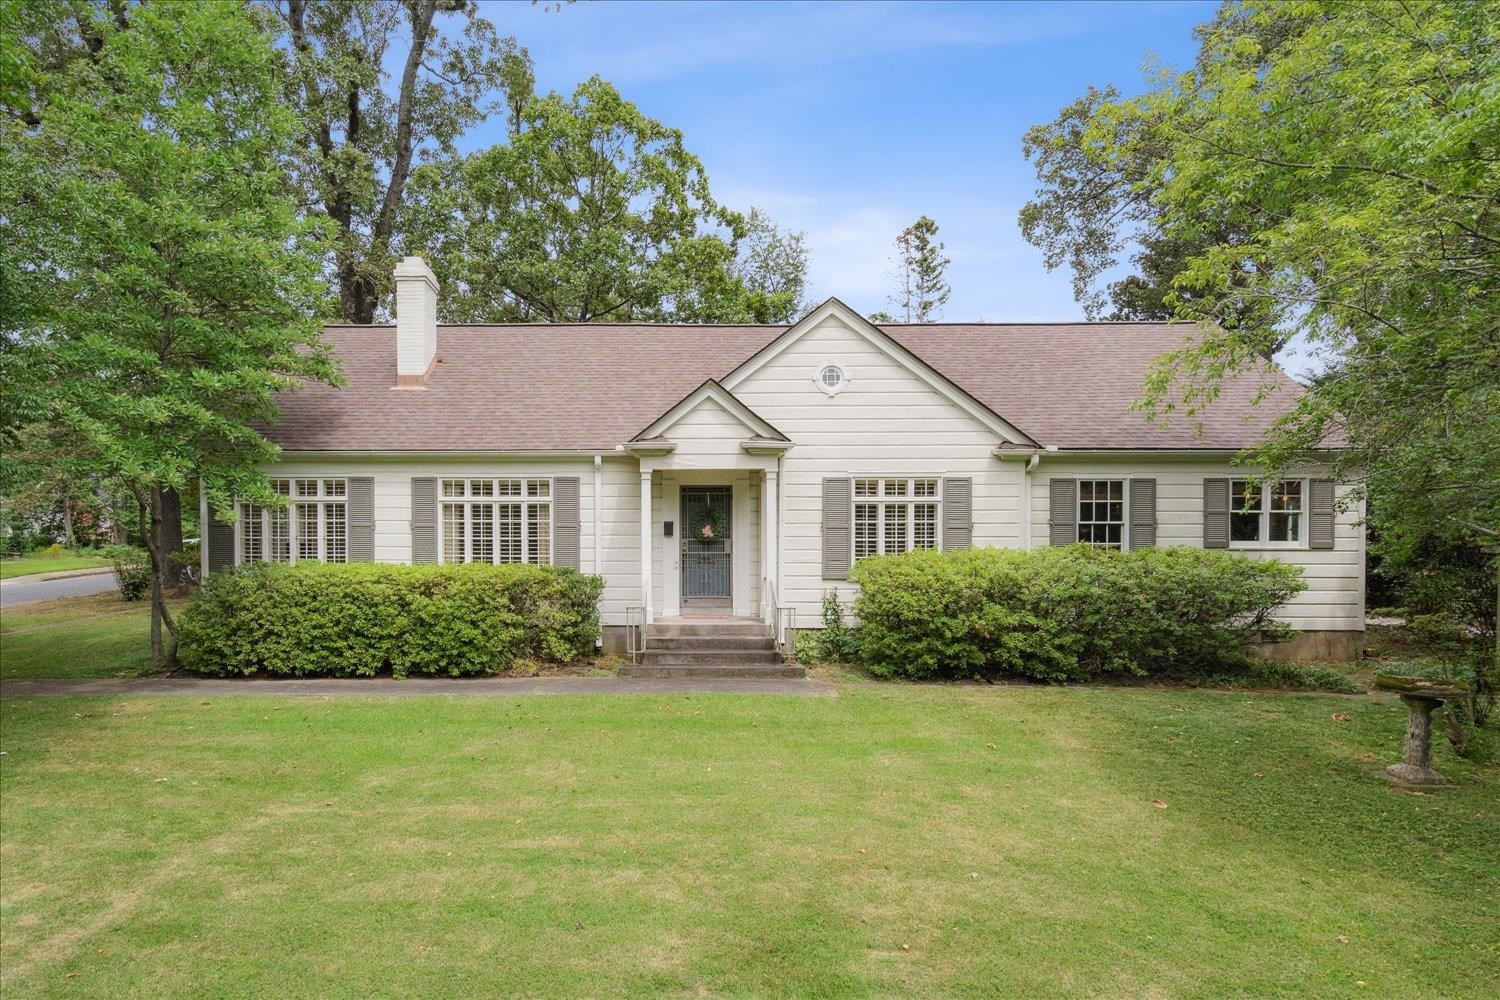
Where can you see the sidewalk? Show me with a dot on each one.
(385, 687)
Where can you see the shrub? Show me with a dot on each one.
(836, 642)
(1066, 614)
(363, 619)
(132, 571)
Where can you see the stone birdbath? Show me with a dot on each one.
(1421, 697)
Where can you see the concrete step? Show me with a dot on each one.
(727, 626)
(693, 656)
(761, 671)
(711, 642)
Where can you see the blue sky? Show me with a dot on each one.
(848, 120)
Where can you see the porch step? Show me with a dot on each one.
(710, 642)
(689, 656)
(739, 671)
(707, 626)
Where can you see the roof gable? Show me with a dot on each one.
(892, 348)
(711, 393)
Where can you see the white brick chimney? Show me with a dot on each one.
(416, 322)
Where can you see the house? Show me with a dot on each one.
(752, 465)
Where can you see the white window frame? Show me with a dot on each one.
(881, 502)
(1078, 502)
(323, 498)
(823, 387)
(1263, 533)
(495, 500)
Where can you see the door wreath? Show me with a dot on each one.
(708, 524)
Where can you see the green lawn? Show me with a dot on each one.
(78, 637)
(893, 841)
(10, 568)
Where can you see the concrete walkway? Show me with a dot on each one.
(385, 687)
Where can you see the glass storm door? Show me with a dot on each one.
(706, 543)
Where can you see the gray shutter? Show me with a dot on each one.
(1142, 513)
(565, 522)
(1216, 513)
(958, 513)
(424, 519)
(361, 510)
(220, 541)
(1321, 508)
(837, 524)
(1062, 498)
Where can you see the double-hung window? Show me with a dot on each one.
(312, 526)
(496, 521)
(894, 515)
(1267, 514)
(1101, 512)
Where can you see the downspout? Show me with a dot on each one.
(1031, 463)
(202, 533)
(599, 536)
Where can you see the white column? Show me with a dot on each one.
(646, 554)
(770, 540)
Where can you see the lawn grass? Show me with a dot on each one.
(28, 565)
(76, 637)
(893, 841)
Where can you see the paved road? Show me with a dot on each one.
(30, 589)
(412, 687)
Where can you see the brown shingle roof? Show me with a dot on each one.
(593, 386)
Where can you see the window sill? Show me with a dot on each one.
(1268, 546)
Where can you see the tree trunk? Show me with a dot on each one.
(171, 534)
(67, 506)
(163, 649)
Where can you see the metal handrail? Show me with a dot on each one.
(635, 633)
(781, 621)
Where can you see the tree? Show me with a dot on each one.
(363, 132)
(171, 286)
(772, 266)
(589, 211)
(921, 285)
(1329, 171)
(1090, 206)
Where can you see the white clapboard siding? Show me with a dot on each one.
(1335, 598)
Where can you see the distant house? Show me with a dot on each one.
(754, 464)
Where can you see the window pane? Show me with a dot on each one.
(453, 532)
(895, 528)
(924, 526)
(307, 487)
(333, 487)
(1244, 527)
(866, 487)
(924, 487)
(250, 533)
(453, 487)
(335, 526)
(280, 543)
(307, 531)
(510, 533)
(539, 487)
(866, 519)
(1287, 495)
(281, 486)
(509, 487)
(893, 487)
(539, 533)
(481, 487)
(481, 533)
(1286, 527)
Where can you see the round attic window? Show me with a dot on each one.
(831, 379)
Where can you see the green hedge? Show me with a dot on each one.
(314, 620)
(1064, 614)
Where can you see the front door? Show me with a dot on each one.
(707, 545)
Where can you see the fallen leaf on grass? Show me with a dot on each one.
(1340, 716)
(1343, 939)
(1158, 803)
